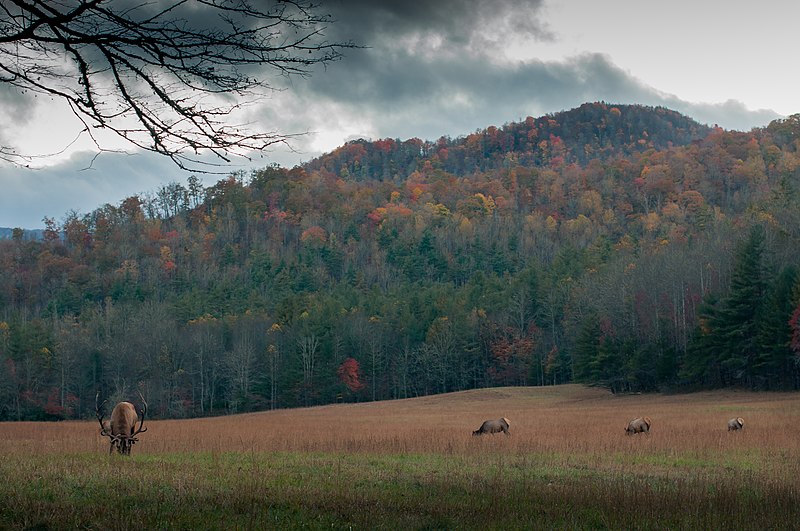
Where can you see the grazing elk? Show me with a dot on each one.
(736, 424)
(494, 426)
(638, 425)
(121, 430)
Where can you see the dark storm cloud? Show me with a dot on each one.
(417, 47)
(417, 37)
(459, 22)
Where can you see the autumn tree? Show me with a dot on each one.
(349, 373)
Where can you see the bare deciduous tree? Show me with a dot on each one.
(165, 75)
(308, 347)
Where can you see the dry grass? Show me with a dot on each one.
(564, 419)
(568, 462)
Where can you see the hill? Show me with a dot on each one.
(596, 131)
(665, 261)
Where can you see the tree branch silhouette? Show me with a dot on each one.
(166, 76)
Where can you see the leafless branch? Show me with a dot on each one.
(165, 75)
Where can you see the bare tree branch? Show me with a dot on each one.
(165, 75)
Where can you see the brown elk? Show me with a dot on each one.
(736, 424)
(638, 425)
(494, 426)
(121, 430)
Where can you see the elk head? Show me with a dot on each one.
(121, 429)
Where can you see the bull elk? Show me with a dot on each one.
(121, 430)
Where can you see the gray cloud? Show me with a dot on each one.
(403, 95)
(17, 109)
(458, 22)
(731, 114)
(15, 105)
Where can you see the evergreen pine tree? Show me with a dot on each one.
(586, 349)
(702, 362)
(738, 319)
(774, 362)
(604, 368)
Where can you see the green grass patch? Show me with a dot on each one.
(293, 490)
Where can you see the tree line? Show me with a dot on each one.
(668, 262)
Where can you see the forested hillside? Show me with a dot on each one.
(623, 246)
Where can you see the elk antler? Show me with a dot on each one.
(103, 430)
(141, 424)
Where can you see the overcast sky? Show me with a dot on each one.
(450, 67)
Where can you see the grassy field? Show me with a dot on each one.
(413, 464)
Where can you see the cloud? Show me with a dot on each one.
(14, 104)
(438, 68)
(401, 94)
(731, 114)
(456, 23)
(17, 109)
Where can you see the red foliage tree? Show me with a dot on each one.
(511, 358)
(349, 373)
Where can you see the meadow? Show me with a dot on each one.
(414, 464)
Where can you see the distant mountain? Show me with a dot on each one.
(27, 234)
(591, 131)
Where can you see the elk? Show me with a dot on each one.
(121, 429)
(736, 424)
(494, 426)
(638, 425)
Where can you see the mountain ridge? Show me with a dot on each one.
(596, 130)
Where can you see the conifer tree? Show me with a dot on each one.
(774, 363)
(701, 366)
(586, 349)
(738, 321)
